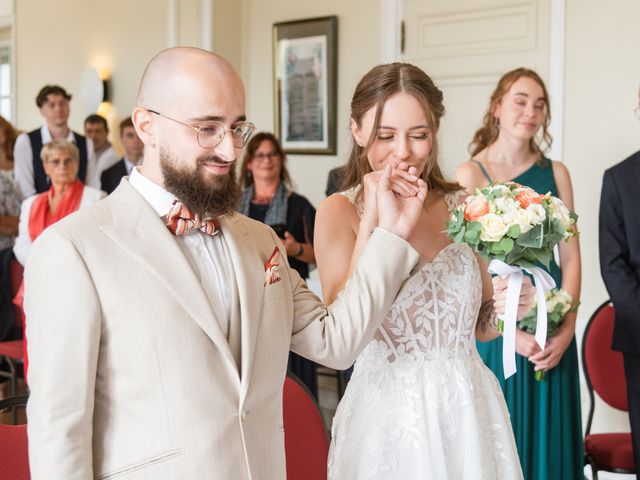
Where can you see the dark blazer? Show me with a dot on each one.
(620, 249)
(110, 178)
(334, 180)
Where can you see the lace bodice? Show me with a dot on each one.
(435, 312)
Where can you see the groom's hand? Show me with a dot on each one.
(398, 214)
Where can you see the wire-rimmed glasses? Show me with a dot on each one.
(209, 134)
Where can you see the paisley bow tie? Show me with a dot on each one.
(180, 221)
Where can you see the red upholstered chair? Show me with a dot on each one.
(306, 441)
(14, 453)
(604, 372)
(13, 350)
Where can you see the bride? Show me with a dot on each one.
(420, 404)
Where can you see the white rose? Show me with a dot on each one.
(561, 212)
(518, 217)
(552, 302)
(506, 205)
(493, 228)
(536, 213)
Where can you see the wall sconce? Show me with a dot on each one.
(93, 90)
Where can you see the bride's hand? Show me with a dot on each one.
(403, 181)
(527, 294)
(399, 214)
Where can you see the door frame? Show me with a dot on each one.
(391, 16)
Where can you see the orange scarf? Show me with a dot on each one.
(40, 216)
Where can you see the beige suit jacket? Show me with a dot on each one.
(130, 374)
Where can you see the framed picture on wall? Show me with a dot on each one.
(305, 84)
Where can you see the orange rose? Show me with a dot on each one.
(526, 197)
(475, 209)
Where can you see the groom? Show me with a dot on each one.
(158, 341)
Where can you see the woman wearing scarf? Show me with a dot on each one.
(267, 196)
(66, 195)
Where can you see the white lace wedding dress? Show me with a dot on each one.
(421, 404)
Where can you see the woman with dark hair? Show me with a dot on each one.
(420, 403)
(545, 414)
(267, 196)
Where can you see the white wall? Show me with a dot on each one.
(55, 41)
(602, 74)
(358, 51)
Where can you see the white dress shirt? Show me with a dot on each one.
(129, 165)
(208, 255)
(23, 162)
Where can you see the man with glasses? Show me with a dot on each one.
(181, 375)
(620, 268)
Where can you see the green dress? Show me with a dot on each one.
(545, 414)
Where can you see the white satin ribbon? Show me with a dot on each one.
(543, 282)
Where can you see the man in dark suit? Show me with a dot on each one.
(620, 268)
(133, 148)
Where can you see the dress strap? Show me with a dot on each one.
(484, 172)
(352, 196)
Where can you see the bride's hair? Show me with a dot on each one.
(373, 90)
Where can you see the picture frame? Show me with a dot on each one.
(305, 60)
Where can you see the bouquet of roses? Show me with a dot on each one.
(559, 303)
(512, 223)
(514, 228)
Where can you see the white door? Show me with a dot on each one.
(466, 46)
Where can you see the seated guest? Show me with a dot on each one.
(67, 194)
(97, 130)
(9, 200)
(53, 102)
(334, 180)
(268, 197)
(133, 148)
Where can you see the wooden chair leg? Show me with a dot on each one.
(594, 470)
(13, 386)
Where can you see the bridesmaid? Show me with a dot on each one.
(545, 414)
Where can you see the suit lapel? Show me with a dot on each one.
(139, 231)
(249, 270)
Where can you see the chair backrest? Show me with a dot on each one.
(306, 440)
(14, 452)
(604, 367)
(17, 272)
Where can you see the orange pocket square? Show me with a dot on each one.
(271, 273)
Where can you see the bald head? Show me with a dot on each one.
(180, 72)
(188, 87)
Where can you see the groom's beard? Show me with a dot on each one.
(206, 196)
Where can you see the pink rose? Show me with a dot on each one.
(475, 209)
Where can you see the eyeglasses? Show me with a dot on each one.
(211, 133)
(263, 156)
(56, 162)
